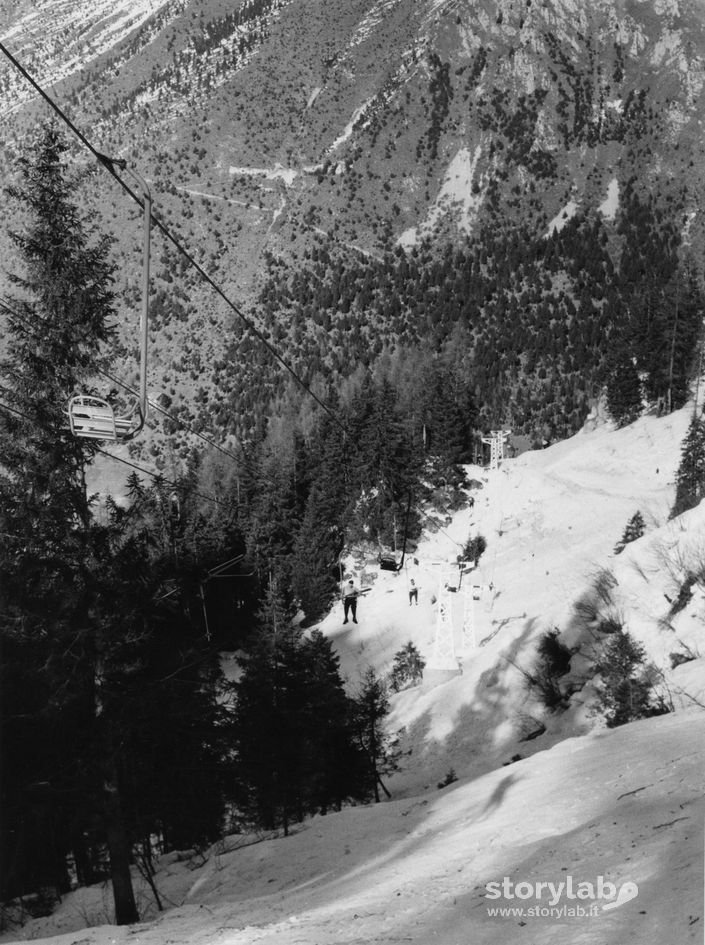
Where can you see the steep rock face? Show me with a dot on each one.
(55, 41)
(392, 90)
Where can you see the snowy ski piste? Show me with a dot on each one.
(582, 835)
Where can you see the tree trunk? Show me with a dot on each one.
(373, 759)
(669, 401)
(119, 850)
(382, 785)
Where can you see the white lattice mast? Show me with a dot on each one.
(444, 643)
(496, 443)
(492, 443)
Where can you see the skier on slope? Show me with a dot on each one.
(350, 596)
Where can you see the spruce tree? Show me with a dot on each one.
(408, 667)
(266, 719)
(670, 340)
(387, 464)
(51, 548)
(321, 535)
(337, 765)
(690, 477)
(634, 529)
(625, 688)
(624, 394)
(292, 726)
(448, 415)
(371, 709)
(163, 684)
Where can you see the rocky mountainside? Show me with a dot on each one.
(302, 151)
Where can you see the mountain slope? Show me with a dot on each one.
(582, 803)
(551, 519)
(283, 129)
(621, 808)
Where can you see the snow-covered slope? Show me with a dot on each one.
(616, 816)
(551, 520)
(621, 807)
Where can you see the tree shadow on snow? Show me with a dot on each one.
(488, 730)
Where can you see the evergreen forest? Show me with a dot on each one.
(508, 328)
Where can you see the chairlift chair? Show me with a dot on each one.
(388, 562)
(94, 417)
(388, 559)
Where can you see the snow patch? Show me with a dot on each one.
(371, 21)
(348, 130)
(561, 218)
(313, 96)
(608, 208)
(455, 196)
(48, 27)
(278, 172)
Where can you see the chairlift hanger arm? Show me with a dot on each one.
(388, 561)
(110, 165)
(93, 417)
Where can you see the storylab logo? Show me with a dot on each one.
(569, 898)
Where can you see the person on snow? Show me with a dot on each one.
(413, 593)
(350, 596)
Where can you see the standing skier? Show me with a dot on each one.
(350, 595)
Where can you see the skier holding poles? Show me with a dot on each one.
(350, 596)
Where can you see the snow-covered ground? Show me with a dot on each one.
(596, 834)
(456, 194)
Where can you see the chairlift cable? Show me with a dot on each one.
(217, 572)
(118, 459)
(187, 426)
(110, 164)
(116, 380)
(148, 472)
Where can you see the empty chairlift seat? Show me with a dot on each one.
(92, 417)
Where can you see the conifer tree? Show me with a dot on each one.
(321, 535)
(387, 464)
(266, 719)
(625, 689)
(670, 340)
(624, 394)
(292, 725)
(449, 415)
(275, 506)
(690, 477)
(634, 529)
(338, 766)
(408, 667)
(371, 709)
(163, 682)
(51, 548)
